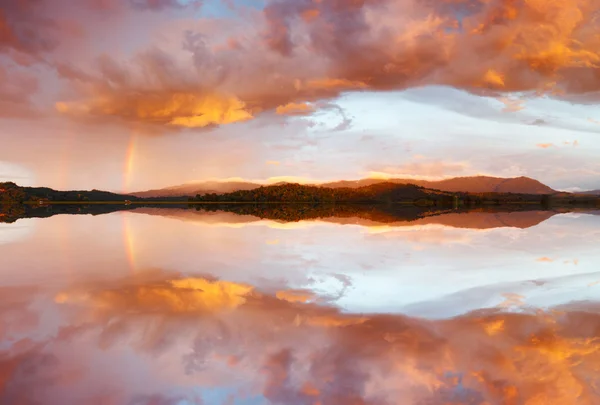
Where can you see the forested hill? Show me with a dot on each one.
(381, 192)
(14, 193)
(17, 193)
(385, 193)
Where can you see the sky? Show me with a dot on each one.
(140, 94)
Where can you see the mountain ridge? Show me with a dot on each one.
(468, 184)
(590, 192)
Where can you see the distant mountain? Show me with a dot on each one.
(476, 184)
(591, 192)
(191, 189)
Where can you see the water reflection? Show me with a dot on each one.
(177, 306)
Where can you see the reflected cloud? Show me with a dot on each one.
(11, 233)
(182, 295)
(194, 338)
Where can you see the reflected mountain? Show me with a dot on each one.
(362, 215)
(343, 214)
(12, 213)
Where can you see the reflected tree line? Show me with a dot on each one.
(289, 202)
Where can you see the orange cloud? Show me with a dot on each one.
(545, 145)
(342, 84)
(178, 109)
(295, 295)
(297, 52)
(494, 78)
(273, 162)
(512, 105)
(420, 168)
(544, 260)
(295, 109)
(181, 295)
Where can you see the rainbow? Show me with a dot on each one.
(129, 163)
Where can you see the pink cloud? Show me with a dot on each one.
(299, 51)
(17, 91)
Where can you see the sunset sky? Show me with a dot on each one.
(138, 94)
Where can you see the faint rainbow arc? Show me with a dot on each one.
(128, 169)
(128, 242)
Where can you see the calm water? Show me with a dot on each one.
(173, 306)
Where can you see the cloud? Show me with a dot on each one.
(295, 109)
(574, 261)
(512, 105)
(273, 162)
(15, 173)
(11, 233)
(544, 260)
(180, 296)
(295, 295)
(25, 33)
(158, 5)
(289, 351)
(296, 52)
(174, 109)
(482, 108)
(420, 168)
(17, 91)
(159, 399)
(574, 143)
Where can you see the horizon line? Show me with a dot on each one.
(308, 181)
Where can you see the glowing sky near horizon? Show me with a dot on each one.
(140, 94)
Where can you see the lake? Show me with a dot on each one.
(184, 306)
